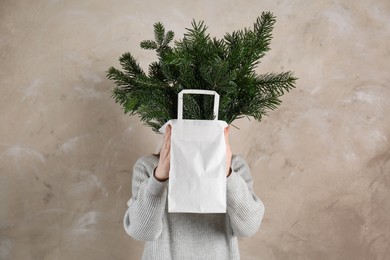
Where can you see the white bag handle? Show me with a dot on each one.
(197, 91)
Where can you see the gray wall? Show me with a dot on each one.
(320, 162)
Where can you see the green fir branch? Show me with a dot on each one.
(198, 61)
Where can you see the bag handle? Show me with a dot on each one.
(197, 91)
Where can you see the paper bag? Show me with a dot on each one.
(197, 176)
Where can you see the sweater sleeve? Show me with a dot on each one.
(244, 208)
(143, 218)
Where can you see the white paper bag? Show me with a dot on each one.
(197, 176)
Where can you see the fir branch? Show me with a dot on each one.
(168, 38)
(156, 72)
(263, 29)
(121, 79)
(159, 33)
(148, 45)
(197, 33)
(130, 65)
(277, 83)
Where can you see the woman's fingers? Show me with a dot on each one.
(167, 139)
(226, 132)
(167, 134)
(166, 147)
(228, 151)
(162, 170)
(169, 130)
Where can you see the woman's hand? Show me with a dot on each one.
(162, 171)
(228, 152)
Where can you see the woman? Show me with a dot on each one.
(182, 236)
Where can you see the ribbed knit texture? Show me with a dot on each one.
(186, 236)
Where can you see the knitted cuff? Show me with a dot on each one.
(233, 184)
(232, 180)
(155, 187)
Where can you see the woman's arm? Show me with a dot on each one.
(143, 218)
(244, 208)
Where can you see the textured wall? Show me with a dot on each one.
(321, 162)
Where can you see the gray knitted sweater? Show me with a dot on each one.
(184, 236)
